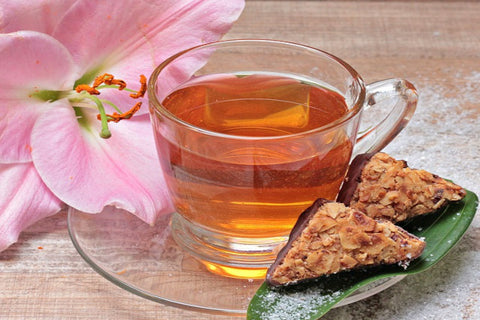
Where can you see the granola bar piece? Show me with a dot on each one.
(383, 187)
(330, 237)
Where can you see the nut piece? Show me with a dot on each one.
(385, 188)
(330, 237)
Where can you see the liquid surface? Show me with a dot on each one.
(255, 105)
(252, 187)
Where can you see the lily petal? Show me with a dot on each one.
(25, 199)
(32, 61)
(40, 15)
(29, 62)
(16, 125)
(88, 172)
(134, 36)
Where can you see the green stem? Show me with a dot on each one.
(111, 104)
(114, 86)
(105, 133)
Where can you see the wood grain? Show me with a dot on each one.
(428, 42)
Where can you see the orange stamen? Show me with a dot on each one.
(86, 87)
(143, 88)
(109, 79)
(121, 84)
(116, 117)
(101, 79)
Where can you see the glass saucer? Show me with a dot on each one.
(145, 260)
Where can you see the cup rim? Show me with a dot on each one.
(358, 102)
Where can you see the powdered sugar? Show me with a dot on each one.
(294, 305)
(443, 136)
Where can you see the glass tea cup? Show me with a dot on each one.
(254, 135)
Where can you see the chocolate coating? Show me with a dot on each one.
(353, 177)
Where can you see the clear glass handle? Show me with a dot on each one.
(393, 101)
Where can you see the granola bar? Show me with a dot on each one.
(330, 237)
(383, 187)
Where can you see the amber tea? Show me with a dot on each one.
(253, 179)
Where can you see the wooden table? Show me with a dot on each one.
(436, 45)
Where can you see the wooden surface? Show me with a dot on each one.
(436, 45)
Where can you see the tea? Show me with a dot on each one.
(254, 176)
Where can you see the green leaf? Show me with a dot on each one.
(441, 230)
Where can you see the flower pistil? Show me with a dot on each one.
(108, 81)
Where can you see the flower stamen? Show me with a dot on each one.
(87, 88)
(143, 88)
(105, 81)
(109, 79)
(116, 117)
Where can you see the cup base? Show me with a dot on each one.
(235, 257)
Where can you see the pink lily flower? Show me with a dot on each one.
(51, 153)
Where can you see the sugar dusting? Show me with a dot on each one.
(308, 301)
(293, 305)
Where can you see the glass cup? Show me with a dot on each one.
(254, 135)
